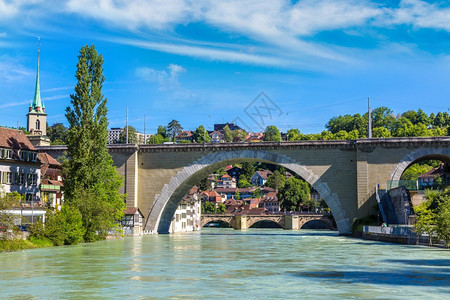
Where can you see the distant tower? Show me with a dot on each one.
(36, 117)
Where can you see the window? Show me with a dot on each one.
(23, 155)
(31, 179)
(7, 177)
(38, 124)
(32, 156)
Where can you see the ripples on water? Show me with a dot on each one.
(223, 263)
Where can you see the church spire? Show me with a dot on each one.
(37, 104)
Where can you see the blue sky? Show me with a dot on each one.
(206, 61)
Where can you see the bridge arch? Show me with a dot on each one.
(442, 154)
(325, 221)
(165, 203)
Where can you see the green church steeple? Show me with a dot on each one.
(36, 106)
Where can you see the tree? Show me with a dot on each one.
(57, 134)
(257, 193)
(247, 171)
(162, 130)
(132, 136)
(201, 135)
(237, 195)
(91, 182)
(293, 193)
(221, 208)
(272, 134)
(173, 129)
(243, 183)
(156, 139)
(227, 134)
(433, 216)
(7, 220)
(380, 132)
(294, 135)
(239, 135)
(204, 184)
(276, 180)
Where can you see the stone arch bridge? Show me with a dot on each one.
(345, 173)
(243, 222)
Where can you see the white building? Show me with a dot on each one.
(114, 136)
(20, 170)
(188, 213)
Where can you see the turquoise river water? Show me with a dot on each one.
(227, 264)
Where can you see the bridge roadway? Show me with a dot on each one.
(345, 173)
(242, 222)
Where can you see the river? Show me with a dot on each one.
(223, 263)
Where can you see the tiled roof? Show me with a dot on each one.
(45, 158)
(264, 174)
(433, 172)
(14, 139)
(132, 211)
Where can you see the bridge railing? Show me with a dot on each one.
(411, 185)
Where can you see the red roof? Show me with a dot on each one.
(264, 174)
(45, 158)
(434, 172)
(132, 211)
(14, 139)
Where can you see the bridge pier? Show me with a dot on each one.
(241, 222)
(291, 223)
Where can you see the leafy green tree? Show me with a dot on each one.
(173, 129)
(91, 182)
(294, 193)
(239, 135)
(326, 135)
(247, 171)
(276, 180)
(204, 184)
(237, 195)
(162, 130)
(403, 127)
(383, 117)
(132, 136)
(353, 135)
(257, 193)
(414, 171)
(341, 135)
(201, 135)
(57, 134)
(381, 132)
(433, 216)
(221, 208)
(294, 135)
(420, 129)
(156, 139)
(243, 183)
(272, 134)
(208, 207)
(227, 134)
(7, 220)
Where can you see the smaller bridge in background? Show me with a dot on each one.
(289, 222)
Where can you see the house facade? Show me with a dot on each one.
(188, 213)
(260, 177)
(20, 169)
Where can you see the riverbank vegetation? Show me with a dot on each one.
(433, 216)
(91, 182)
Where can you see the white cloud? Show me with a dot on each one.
(132, 14)
(168, 83)
(12, 71)
(420, 14)
(166, 79)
